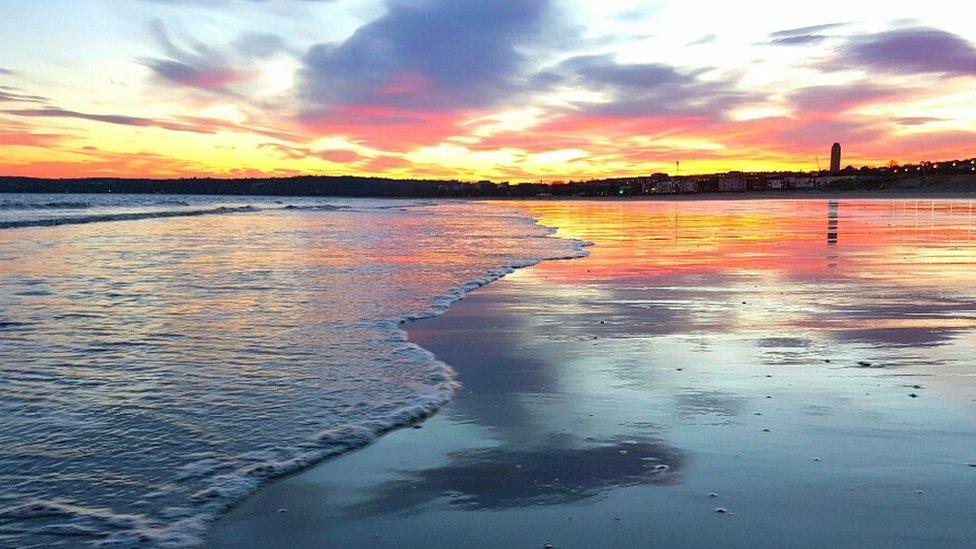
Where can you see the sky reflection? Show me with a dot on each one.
(791, 264)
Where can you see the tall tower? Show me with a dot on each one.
(835, 158)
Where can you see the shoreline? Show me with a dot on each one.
(896, 194)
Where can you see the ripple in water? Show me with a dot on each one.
(156, 371)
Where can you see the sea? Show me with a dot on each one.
(162, 357)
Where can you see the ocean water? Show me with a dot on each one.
(162, 357)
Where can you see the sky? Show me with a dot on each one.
(516, 90)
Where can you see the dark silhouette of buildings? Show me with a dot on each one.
(835, 159)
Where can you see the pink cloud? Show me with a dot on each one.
(385, 126)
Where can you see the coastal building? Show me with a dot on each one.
(835, 158)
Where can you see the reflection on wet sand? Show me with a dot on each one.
(556, 471)
(891, 275)
(822, 389)
(832, 221)
(905, 242)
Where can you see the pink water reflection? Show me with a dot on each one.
(905, 242)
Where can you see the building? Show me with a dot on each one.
(835, 158)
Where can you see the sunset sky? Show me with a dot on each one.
(470, 89)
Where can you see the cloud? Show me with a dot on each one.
(382, 126)
(604, 71)
(195, 77)
(382, 164)
(54, 112)
(259, 45)
(7, 71)
(428, 54)
(802, 36)
(340, 156)
(804, 31)
(643, 89)
(799, 40)
(818, 133)
(200, 66)
(415, 74)
(12, 95)
(917, 120)
(707, 39)
(908, 51)
(13, 136)
(832, 100)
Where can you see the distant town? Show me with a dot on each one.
(948, 176)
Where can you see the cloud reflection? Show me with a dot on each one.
(550, 474)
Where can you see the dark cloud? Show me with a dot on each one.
(917, 120)
(54, 112)
(837, 99)
(643, 89)
(342, 156)
(196, 66)
(191, 124)
(6, 71)
(429, 54)
(799, 40)
(12, 95)
(603, 71)
(259, 45)
(909, 50)
(803, 31)
(815, 133)
(802, 36)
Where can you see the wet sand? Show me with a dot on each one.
(719, 358)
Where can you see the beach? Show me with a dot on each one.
(790, 373)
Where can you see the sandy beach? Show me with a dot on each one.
(720, 374)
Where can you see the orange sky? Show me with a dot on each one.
(508, 90)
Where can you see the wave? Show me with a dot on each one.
(58, 205)
(158, 214)
(129, 216)
(371, 208)
(226, 482)
(317, 207)
(80, 204)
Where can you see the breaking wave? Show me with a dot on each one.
(126, 216)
